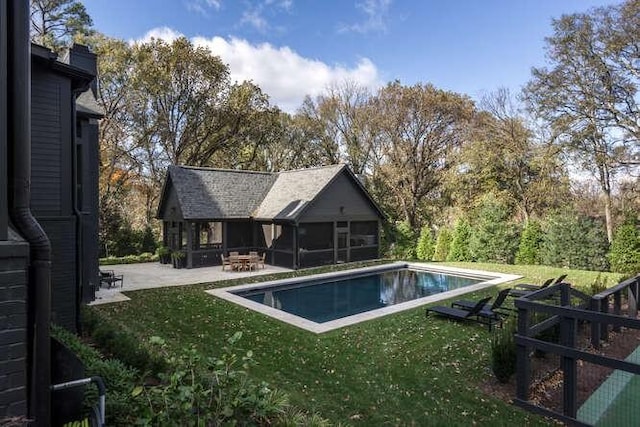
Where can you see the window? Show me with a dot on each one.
(364, 233)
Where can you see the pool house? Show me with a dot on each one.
(300, 218)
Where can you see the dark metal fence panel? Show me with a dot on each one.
(560, 373)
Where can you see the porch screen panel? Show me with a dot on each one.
(209, 234)
(315, 236)
(364, 233)
(283, 238)
(239, 234)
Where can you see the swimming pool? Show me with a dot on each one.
(323, 302)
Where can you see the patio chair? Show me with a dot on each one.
(234, 260)
(262, 259)
(226, 262)
(523, 289)
(108, 278)
(496, 307)
(475, 314)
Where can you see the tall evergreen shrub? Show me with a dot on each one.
(426, 244)
(625, 250)
(404, 246)
(575, 241)
(494, 237)
(459, 250)
(443, 242)
(530, 243)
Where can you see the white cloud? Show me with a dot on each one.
(203, 6)
(163, 33)
(283, 74)
(376, 16)
(282, 4)
(254, 18)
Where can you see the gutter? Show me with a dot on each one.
(19, 153)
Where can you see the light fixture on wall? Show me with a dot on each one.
(341, 210)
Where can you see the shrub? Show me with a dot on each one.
(119, 343)
(459, 249)
(625, 250)
(494, 238)
(503, 351)
(598, 285)
(530, 243)
(148, 242)
(426, 245)
(119, 379)
(213, 391)
(443, 242)
(574, 241)
(129, 259)
(404, 246)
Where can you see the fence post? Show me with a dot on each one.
(617, 304)
(569, 367)
(632, 297)
(595, 326)
(604, 327)
(522, 361)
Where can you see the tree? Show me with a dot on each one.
(503, 156)
(54, 23)
(182, 109)
(460, 242)
(442, 245)
(342, 129)
(426, 244)
(494, 237)
(419, 128)
(574, 241)
(404, 241)
(589, 95)
(530, 242)
(625, 249)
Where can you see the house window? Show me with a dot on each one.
(364, 233)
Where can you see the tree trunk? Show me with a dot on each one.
(607, 215)
(605, 182)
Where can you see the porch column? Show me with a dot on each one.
(188, 228)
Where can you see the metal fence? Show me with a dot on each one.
(579, 356)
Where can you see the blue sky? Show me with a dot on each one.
(292, 48)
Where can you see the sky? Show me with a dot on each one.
(294, 48)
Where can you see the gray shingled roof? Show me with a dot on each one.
(206, 193)
(293, 190)
(87, 104)
(216, 193)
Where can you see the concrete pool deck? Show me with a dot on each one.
(151, 275)
(229, 293)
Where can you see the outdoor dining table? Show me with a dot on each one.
(245, 261)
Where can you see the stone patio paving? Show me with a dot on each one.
(155, 275)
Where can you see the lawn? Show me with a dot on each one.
(401, 369)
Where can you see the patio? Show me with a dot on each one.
(154, 275)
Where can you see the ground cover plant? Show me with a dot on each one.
(401, 369)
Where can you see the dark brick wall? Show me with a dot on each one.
(13, 328)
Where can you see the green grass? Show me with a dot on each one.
(397, 370)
